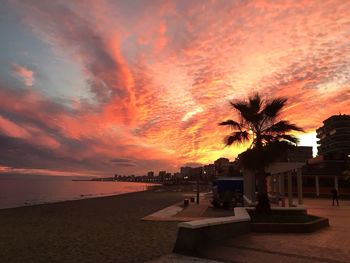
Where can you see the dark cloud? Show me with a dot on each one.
(193, 164)
(19, 153)
(120, 160)
(77, 35)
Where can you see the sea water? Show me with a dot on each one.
(16, 191)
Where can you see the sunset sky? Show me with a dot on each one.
(104, 87)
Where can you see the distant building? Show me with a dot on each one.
(334, 137)
(234, 169)
(150, 174)
(196, 173)
(208, 171)
(299, 154)
(191, 173)
(162, 175)
(222, 166)
(185, 171)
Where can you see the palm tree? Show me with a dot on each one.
(259, 124)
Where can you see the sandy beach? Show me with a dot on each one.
(105, 229)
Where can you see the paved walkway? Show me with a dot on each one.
(193, 211)
(175, 258)
(328, 245)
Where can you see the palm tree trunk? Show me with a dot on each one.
(263, 205)
(262, 188)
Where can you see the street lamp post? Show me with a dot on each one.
(197, 188)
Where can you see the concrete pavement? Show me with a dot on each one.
(327, 245)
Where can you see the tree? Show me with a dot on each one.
(270, 138)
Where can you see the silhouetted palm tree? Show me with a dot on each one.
(259, 124)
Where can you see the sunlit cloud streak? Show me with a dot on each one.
(162, 73)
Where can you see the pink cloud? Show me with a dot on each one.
(24, 73)
(12, 129)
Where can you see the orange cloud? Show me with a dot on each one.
(162, 75)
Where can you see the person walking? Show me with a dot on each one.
(335, 196)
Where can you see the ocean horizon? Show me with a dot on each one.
(26, 190)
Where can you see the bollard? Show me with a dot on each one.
(186, 202)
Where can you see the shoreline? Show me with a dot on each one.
(47, 192)
(82, 197)
(154, 187)
(101, 229)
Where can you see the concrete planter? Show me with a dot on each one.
(191, 241)
(193, 236)
(307, 227)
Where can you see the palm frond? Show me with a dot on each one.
(273, 107)
(231, 123)
(255, 103)
(282, 127)
(249, 113)
(241, 106)
(237, 137)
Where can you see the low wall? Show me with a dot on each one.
(195, 235)
(295, 210)
(291, 227)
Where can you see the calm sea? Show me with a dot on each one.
(31, 190)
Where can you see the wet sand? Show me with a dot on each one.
(105, 229)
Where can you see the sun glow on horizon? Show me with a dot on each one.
(309, 139)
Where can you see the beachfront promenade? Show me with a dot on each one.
(327, 245)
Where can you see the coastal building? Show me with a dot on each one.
(191, 173)
(185, 171)
(323, 173)
(208, 172)
(334, 137)
(150, 174)
(297, 154)
(292, 175)
(162, 175)
(222, 166)
(326, 171)
(234, 169)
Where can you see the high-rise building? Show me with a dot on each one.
(334, 137)
(150, 174)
